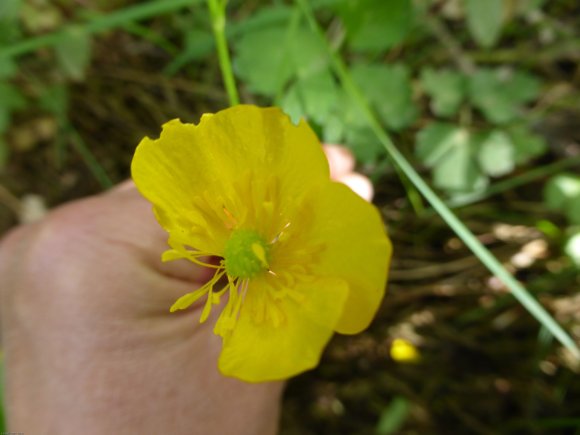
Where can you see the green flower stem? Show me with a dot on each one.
(217, 10)
(98, 25)
(484, 255)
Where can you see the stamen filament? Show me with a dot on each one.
(187, 299)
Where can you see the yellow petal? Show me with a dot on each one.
(259, 351)
(357, 250)
(189, 161)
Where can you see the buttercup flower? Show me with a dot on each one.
(300, 256)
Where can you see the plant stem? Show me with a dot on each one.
(484, 255)
(217, 10)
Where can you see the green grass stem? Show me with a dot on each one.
(90, 160)
(484, 255)
(217, 10)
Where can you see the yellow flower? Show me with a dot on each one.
(301, 256)
(404, 351)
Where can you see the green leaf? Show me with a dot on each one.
(8, 68)
(364, 144)
(333, 129)
(436, 140)
(388, 89)
(457, 172)
(446, 88)
(376, 25)
(9, 10)
(572, 248)
(393, 417)
(313, 97)
(484, 20)
(74, 52)
(520, 85)
(499, 94)
(496, 154)
(449, 151)
(266, 59)
(562, 192)
(527, 145)
(10, 100)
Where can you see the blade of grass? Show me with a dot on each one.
(217, 10)
(484, 255)
(97, 25)
(154, 38)
(94, 166)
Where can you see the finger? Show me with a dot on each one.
(340, 160)
(360, 184)
(136, 214)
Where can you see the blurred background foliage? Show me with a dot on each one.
(482, 96)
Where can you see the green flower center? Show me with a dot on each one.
(246, 254)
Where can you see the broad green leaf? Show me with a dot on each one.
(350, 113)
(261, 62)
(484, 20)
(527, 145)
(562, 192)
(436, 140)
(376, 25)
(446, 88)
(449, 151)
(499, 94)
(73, 52)
(521, 86)
(388, 89)
(496, 154)
(276, 15)
(364, 144)
(266, 59)
(457, 172)
(333, 129)
(313, 97)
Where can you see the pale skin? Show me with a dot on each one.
(90, 346)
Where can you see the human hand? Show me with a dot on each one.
(90, 345)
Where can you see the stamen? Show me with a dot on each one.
(233, 221)
(187, 299)
(281, 234)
